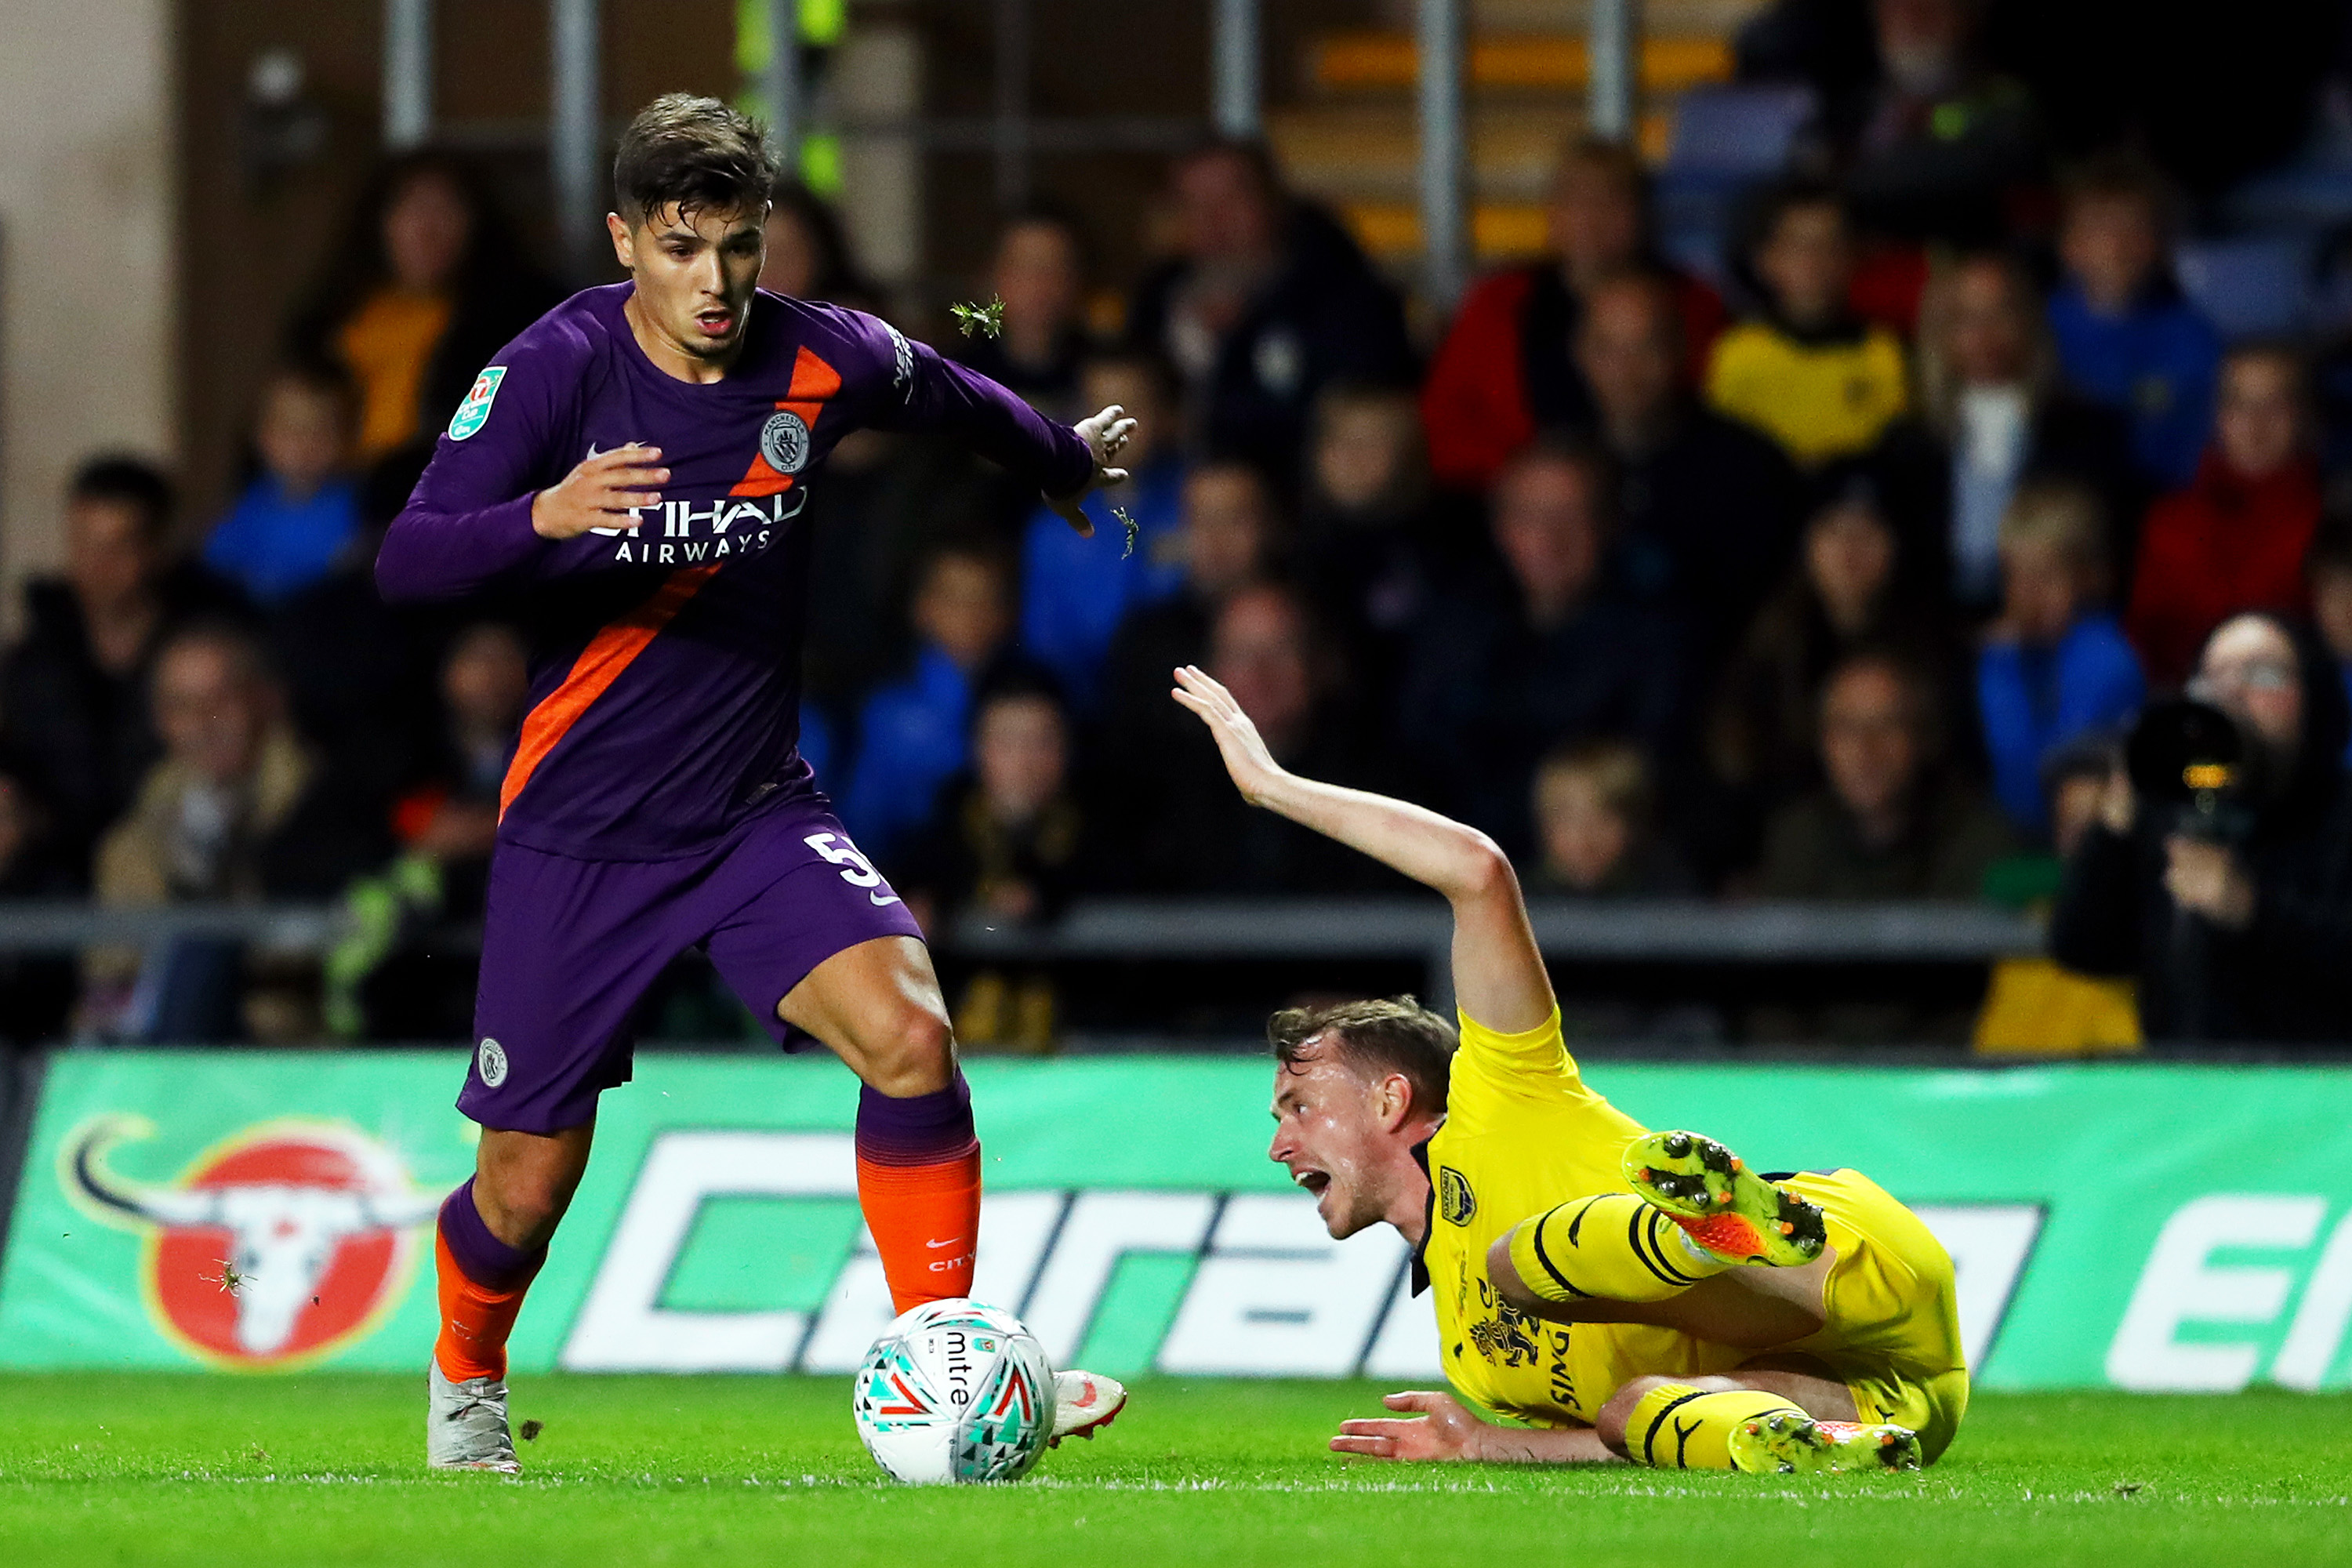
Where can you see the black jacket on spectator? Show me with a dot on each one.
(358, 677)
(1372, 580)
(1487, 695)
(957, 857)
(1194, 834)
(2069, 439)
(1707, 524)
(1325, 316)
(2287, 976)
(80, 736)
(1051, 387)
(1139, 720)
(1761, 735)
(37, 989)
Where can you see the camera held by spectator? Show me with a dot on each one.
(2221, 872)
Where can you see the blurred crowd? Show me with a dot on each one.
(1835, 569)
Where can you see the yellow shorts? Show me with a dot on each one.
(1892, 1332)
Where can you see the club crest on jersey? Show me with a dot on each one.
(475, 410)
(784, 442)
(1455, 1201)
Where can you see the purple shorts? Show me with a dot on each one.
(570, 947)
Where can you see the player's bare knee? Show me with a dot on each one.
(522, 1205)
(909, 1051)
(523, 1182)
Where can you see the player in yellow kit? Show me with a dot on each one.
(1622, 1292)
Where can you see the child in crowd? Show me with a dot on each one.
(1368, 539)
(297, 522)
(2236, 538)
(1225, 540)
(2056, 664)
(1075, 592)
(2126, 336)
(1013, 842)
(1821, 382)
(2329, 572)
(1595, 811)
(912, 733)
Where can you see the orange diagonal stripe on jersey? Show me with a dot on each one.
(813, 381)
(600, 664)
(612, 649)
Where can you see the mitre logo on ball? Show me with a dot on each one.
(278, 1245)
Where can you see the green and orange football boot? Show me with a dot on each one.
(1725, 1209)
(1788, 1443)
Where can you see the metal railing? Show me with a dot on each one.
(575, 126)
(1128, 930)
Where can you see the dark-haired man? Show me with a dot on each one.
(1267, 300)
(1630, 1293)
(73, 692)
(634, 465)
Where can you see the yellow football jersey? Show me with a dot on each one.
(1523, 1134)
(1819, 400)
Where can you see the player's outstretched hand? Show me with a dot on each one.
(1252, 767)
(600, 493)
(1442, 1429)
(1104, 435)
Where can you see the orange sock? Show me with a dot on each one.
(477, 1304)
(926, 1225)
(475, 1322)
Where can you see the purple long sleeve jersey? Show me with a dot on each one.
(665, 656)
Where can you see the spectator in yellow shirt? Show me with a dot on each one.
(425, 286)
(2032, 1005)
(1808, 374)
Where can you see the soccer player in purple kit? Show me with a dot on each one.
(635, 464)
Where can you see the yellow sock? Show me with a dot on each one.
(1676, 1427)
(1614, 1247)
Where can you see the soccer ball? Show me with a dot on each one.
(954, 1391)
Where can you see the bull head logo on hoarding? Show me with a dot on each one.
(315, 1222)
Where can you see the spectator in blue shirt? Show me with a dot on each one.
(2056, 665)
(912, 732)
(2126, 336)
(295, 523)
(1075, 592)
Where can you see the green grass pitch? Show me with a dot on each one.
(717, 1471)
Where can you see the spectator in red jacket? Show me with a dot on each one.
(1506, 370)
(2234, 540)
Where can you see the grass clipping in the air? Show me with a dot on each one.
(987, 319)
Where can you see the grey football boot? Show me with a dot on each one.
(466, 1425)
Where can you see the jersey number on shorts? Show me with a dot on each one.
(856, 868)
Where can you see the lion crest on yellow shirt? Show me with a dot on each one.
(1503, 1338)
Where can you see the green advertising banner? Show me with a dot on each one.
(2117, 1225)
